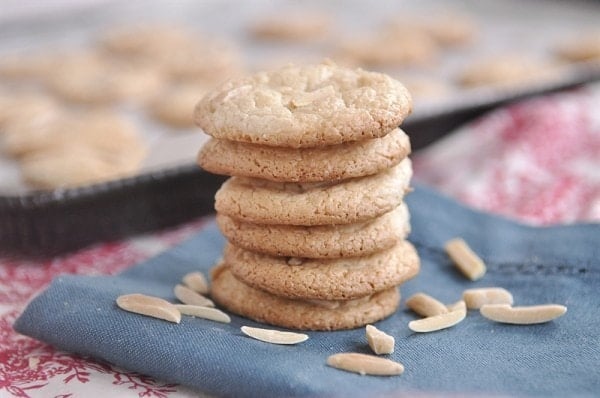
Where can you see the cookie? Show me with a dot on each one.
(400, 47)
(74, 165)
(105, 83)
(326, 203)
(324, 279)
(145, 41)
(450, 29)
(581, 49)
(333, 241)
(427, 88)
(506, 71)
(291, 27)
(102, 130)
(175, 106)
(24, 106)
(179, 54)
(337, 162)
(305, 106)
(237, 297)
(28, 66)
(207, 59)
(447, 29)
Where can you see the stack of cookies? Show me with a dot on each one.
(314, 211)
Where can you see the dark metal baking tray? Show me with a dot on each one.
(46, 223)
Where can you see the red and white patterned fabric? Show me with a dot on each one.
(536, 161)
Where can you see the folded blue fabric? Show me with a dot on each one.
(538, 265)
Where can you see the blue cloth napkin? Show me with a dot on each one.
(538, 265)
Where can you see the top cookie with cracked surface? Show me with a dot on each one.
(305, 106)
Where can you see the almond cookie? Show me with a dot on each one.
(105, 83)
(336, 162)
(291, 27)
(398, 47)
(305, 106)
(261, 306)
(178, 53)
(146, 40)
(330, 241)
(25, 105)
(74, 165)
(507, 70)
(581, 49)
(208, 59)
(175, 107)
(324, 279)
(326, 203)
(102, 130)
(451, 30)
(28, 66)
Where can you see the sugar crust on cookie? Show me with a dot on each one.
(305, 106)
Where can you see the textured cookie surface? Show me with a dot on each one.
(105, 83)
(336, 162)
(175, 107)
(329, 241)
(507, 70)
(19, 106)
(261, 306)
(75, 165)
(102, 130)
(324, 279)
(345, 202)
(305, 106)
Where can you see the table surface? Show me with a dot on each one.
(537, 161)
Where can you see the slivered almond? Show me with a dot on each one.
(188, 296)
(329, 304)
(459, 305)
(425, 305)
(476, 298)
(380, 342)
(294, 261)
(33, 362)
(197, 282)
(310, 97)
(274, 336)
(437, 322)
(364, 364)
(522, 315)
(465, 259)
(212, 314)
(149, 306)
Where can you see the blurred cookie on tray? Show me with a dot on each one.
(447, 28)
(23, 66)
(291, 27)
(75, 165)
(179, 53)
(426, 88)
(390, 47)
(96, 80)
(584, 47)
(24, 105)
(174, 107)
(508, 71)
(67, 148)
